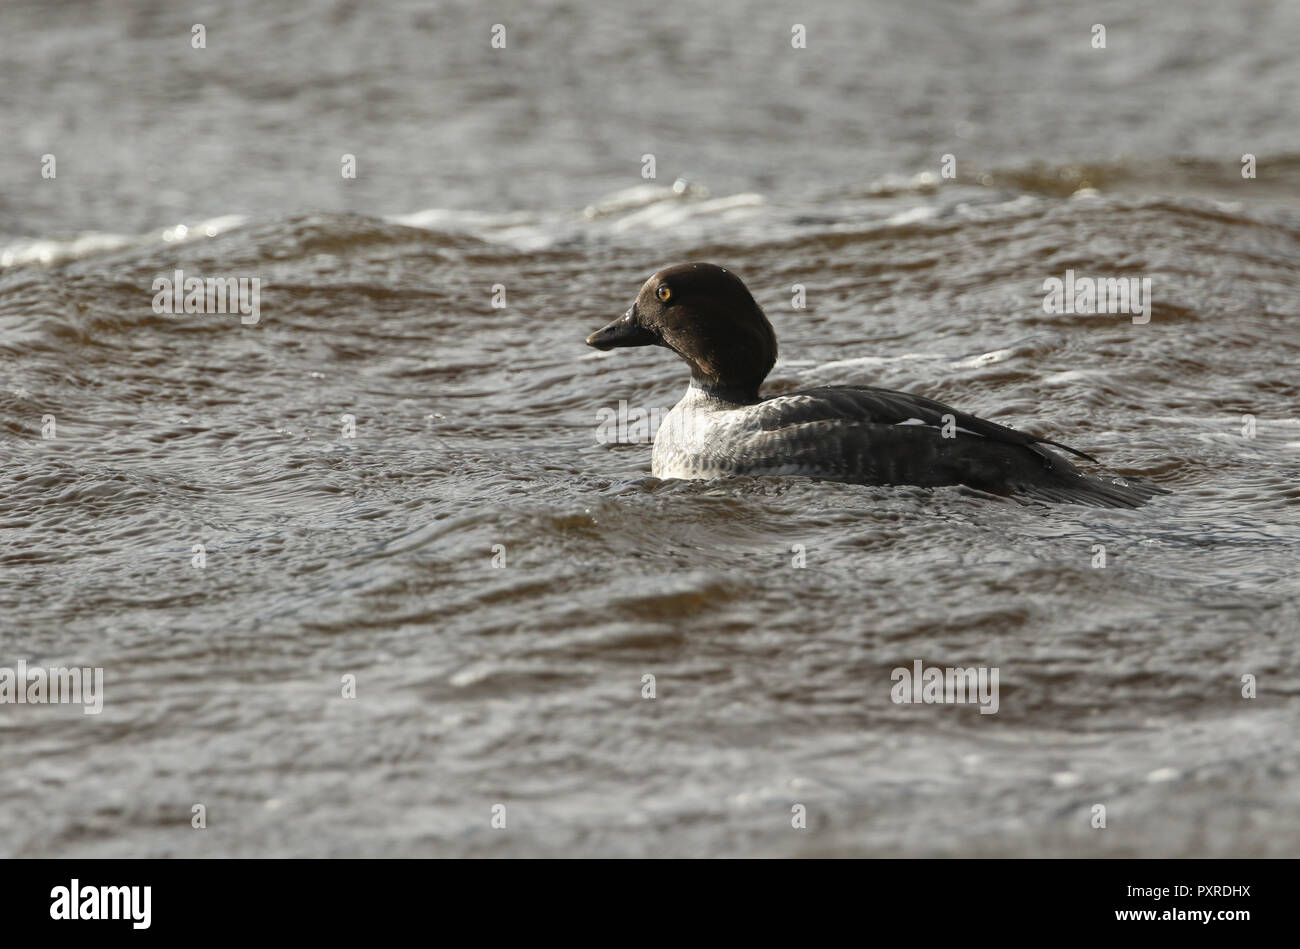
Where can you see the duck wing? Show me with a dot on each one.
(879, 436)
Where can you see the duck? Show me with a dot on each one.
(723, 427)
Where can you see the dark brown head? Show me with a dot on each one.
(706, 315)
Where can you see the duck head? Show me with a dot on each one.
(706, 315)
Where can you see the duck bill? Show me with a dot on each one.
(624, 331)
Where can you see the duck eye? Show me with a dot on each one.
(663, 293)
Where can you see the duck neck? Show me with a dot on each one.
(714, 391)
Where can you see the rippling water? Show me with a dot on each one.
(497, 574)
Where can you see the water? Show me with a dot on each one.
(476, 430)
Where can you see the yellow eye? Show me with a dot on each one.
(663, 293)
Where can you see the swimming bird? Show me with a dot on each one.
(722, 426)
